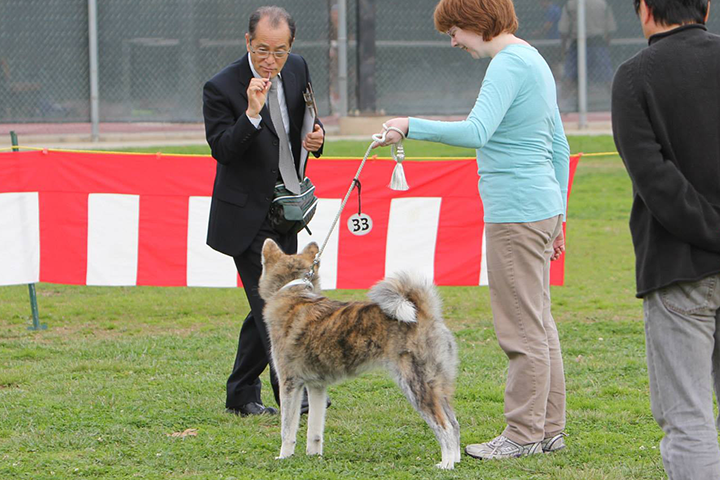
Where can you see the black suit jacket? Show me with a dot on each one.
(247, 157)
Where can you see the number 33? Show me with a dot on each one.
(360, 224)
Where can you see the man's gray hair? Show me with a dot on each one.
(275, 15)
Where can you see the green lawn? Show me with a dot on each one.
(413, 148)
(119, 369)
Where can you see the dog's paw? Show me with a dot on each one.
(285, 454)
(314, 449)
(287, 450)
(445, 465)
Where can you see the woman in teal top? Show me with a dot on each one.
(523, 163)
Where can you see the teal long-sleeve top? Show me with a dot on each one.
(522, 153)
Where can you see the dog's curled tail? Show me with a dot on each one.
(406, 298)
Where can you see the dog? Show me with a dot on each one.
(316, 341)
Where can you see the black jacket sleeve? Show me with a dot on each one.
(228, 139)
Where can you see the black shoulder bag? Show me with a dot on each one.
(291, 212)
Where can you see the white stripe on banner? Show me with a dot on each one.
(412, 235)
(205, 266)
(113, 224)
(483, 260)
(19, 238)
(320, 226)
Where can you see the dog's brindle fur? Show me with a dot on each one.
(317, 341)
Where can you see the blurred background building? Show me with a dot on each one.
(154, 55)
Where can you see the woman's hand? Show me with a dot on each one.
(558, 246)
(391, 136)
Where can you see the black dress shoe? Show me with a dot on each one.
(252, 408)
(305, 407)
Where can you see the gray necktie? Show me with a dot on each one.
(287, 164)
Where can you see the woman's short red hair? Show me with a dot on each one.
(488, 18)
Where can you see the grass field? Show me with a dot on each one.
(99, 394)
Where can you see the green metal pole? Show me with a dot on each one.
(31, 287)
(13, 139)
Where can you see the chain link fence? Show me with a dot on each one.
(43, 60)
(155, 55)
(418, 72)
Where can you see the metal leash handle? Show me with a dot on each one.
(378, 139)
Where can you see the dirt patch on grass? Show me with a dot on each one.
(44, 292)
(104, 331)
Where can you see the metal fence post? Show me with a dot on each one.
(342, 57)
(93, 53)
(366, 56)
(31, 286)
(582, 64)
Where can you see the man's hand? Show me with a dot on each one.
(256, 93)
(558, 246)
(391, 136)
(314, 140)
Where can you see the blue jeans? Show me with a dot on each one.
(599, 63)
(683, 353)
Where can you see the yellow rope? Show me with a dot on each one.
(197, 155)
(390, 158)
(599, 154)
(105, 152)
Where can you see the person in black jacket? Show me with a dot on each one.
(251, 146)
(666, 124)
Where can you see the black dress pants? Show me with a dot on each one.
(253, 354)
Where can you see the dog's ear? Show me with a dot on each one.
(311, 250)
(270, 251)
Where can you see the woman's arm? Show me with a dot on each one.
(501, 85)
(561, 158)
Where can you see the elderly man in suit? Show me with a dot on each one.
(253, 111)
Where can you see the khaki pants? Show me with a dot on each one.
(518, 259)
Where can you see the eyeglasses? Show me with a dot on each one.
(265, 53)
(452, 31)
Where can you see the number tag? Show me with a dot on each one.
(360, 224)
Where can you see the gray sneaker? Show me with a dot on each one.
(553, 444)
(502, 447)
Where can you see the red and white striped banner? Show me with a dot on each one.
(119, 219)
